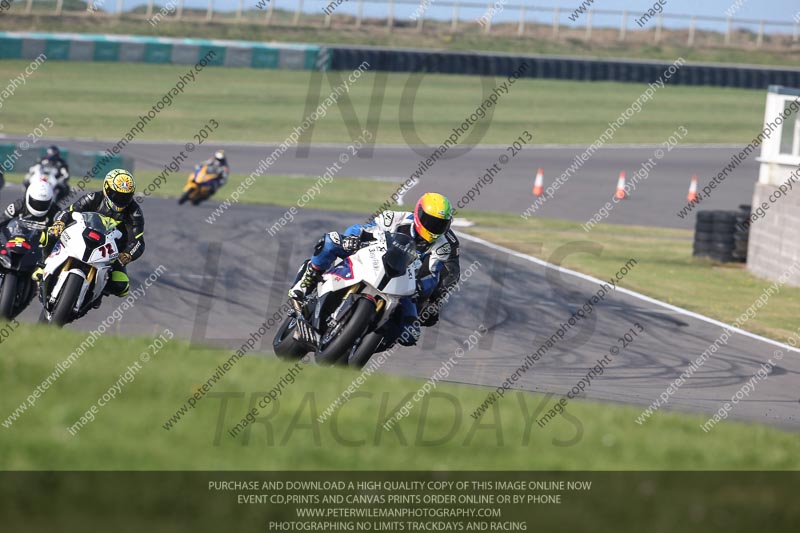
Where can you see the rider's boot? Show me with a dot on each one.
(38, 274)
(306, 283)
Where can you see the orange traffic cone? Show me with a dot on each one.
(538, 184)
(692, 196)
(620, 194)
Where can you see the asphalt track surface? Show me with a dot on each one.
(655, 201)
(222, 280)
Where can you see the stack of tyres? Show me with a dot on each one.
(714, 235)
(741, 233)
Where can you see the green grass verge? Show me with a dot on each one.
(437, 35)
(104, 100)
(127, 432)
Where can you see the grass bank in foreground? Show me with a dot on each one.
(128, 431)
(105, 100)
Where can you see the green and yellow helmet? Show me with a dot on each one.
(432, 216)
(118, 189)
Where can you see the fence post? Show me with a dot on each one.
(589, 25)
(454, 23)
(210, 10)
(556, 14)
(623, 26)
(420, 21)
(659, 24)
(179, 12)
(59, 6)
(268, 18)
(390, 19)
(487, 28)
(119, 7)
(521, 27)
(728, 31)
(149, 12)
(296, 21)
(360, 13)
(796, 34)
(760, 38)
(28, 7)
(690, 41)
(239, 10)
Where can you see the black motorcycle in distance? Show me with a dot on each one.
(19, 253)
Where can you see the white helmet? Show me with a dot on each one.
(39, 198)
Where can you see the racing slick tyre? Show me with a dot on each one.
(724, 217)
(704, 227)
(284, 345)
(705, 216)
(8, 293)
(702, 236)
(343, 335)
(723, 238)
(359, 356)
(62, 312)
(184, 197)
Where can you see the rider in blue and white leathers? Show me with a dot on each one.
(439, 270)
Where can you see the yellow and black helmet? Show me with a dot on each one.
(118, 189)
(432, 216)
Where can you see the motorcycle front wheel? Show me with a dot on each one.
(284, 345)
(360, 355)
(63, 311)
(333, 349)
(8, 293)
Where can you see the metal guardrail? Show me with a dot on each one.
(297, 13)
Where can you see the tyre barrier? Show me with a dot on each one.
(560, 67)
(722, 235)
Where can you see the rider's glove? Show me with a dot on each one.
(57, 229)
(351, 243)
(124, 258)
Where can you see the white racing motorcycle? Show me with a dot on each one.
(78, 268)
(48, 174)
(356, 296)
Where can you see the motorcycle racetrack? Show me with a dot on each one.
(220, 281)
(655, 202)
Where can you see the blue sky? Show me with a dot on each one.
(774, 10)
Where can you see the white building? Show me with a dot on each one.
(774, 243)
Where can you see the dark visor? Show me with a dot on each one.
(435, 225)
(121, 199)
(39, 205)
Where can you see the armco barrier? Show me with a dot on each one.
(559, 67)
(15, 159)
(137, 49)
